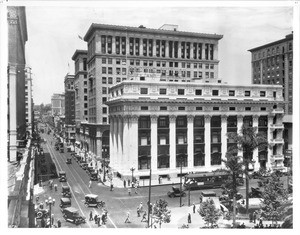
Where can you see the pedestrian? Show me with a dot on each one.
(90, 184)
(91, 215)
(52, 219)
(141, 207)
(135, 188)
(128, 181)
(194, 208)
(55, 187)
(138, 211)
(111, 186)
(58, 223)
(129, 191)
(260, 222)
(127, 218)
(95, 218)
(37, 199)
(144, 217)
(103, 218)
(250, 217)
(99, 221)
(254, 217)
(124, 183)
(189, 218)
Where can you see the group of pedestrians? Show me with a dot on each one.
(99, 219)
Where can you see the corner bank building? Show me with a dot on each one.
(160, 92)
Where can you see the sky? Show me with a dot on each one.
(53, 35)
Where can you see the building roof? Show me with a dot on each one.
(287, 38)
(140, 29)
(78, 52)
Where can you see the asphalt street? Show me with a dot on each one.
(118, 202)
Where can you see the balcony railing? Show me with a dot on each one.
(276, 126)
(277, 111)
(277, 157)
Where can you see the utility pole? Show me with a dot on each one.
(149, 198)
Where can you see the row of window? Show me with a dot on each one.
(215, 108)
(272, 51)
(198, 92)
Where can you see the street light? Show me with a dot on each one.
(132, 170)
(50, 202)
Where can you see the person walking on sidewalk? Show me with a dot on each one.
(111, 186)
(127, 218)
(135, 188)
(91, 215)
(129, 191)
(194, 208)
(95, 218)
(90, 184)
(189, 218)
(124, 183)
(138, 211)
(144, 219)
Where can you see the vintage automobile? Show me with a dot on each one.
(78, 158)
(61, 150)
(176, 192)
(66, 192)
(84, 165)
(91, 200)
(71, 214)
(89, 169)
(226, 197)
(62, 176)
(65, 202)
(255, 193)
(69, 149)
(41, 213)
(69, 160)
(94, 176)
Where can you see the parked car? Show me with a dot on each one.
(71, 214)
(41, 213)
(176, 192)
(84, 165)
(62, 176)
(91, 200)
(255, 193)
(65, 202)
(94, 176)
(69, 160)
(61, 150)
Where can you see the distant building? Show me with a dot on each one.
(29, 103)
(17, 37)
(58, 104)
(69, 108)
(272, 63)
(161, 123)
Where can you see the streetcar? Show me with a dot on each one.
(204, 180)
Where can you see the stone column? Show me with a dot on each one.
(154, 48)
(111, 141)
(167, 49)
(179, 49)
(224, 138)
(154, 142)
(120, 142)
(141, 47)
(184, 50)
(255, 152)
(116, 145)
(190, 140)
(270, 136)
(196, 49)
(12, 113)
(203, 51)
(216, 51)
(191, 50)
(172, 137)
(127, 45)
(113, 45)
(207, 138)
(239, 128)
(126, 144)
(133, 134)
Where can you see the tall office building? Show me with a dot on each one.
(29, 103)
(58, 104)
(272, 63)
(17, 37)
(117, 52)
(69, 108)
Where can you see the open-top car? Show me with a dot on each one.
(66, 192)
(65, 202)
(62, 176)
(91, 200)
(71, 214)
(176, 192)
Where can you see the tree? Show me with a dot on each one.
(160, 212)
(234, 167)
(247, 141)
(273, 197)
(209, 213)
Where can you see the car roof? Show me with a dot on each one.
(62, 172)
(65, 199)
(71, 209)
(208, 193)
(91, 195)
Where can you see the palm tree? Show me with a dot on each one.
(234, 167)
(247, 141)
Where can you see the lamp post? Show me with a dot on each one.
(50, 202)
(132, 170)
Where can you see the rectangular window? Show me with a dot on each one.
(206, 66)
(247, 93)
(183, 64)
(262, 93)
(85, 98)
(144, 107)
(103, 60)
(144, 91)
(215, 108)
(263, 109)
(145, 63)
(110, 81)
(85, 90)
(118, 61)
(118, 80)
(162, 91)
(231, 93)
(104, 110)
(109, 60)
(104, 80)
(188, 74)
(158, 63)
(247, 108)
(199, 108)
(104, 90)
(163, 108)
(206, 74)
(212, 75)
(231, 108)
(198, 92)
(180, 91)
(104, 70)
(211, 66)
(104, 120)
(181, 108)
(137, 62)
(109, 70)
(131, 62)
(195, 74)
(104, 99)
(215, 92)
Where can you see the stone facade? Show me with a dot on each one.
(166, 123)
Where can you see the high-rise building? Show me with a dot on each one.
(29, 102)
(165, 124)
(58, 104)
(69, 125)
(117, 52)
(272, 63)
(17, 37)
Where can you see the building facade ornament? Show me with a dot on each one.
(190, 118)
(172, 118)
(207, 118)
(154, 118)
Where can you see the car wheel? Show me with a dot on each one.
(86, 205)
(39, 215)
